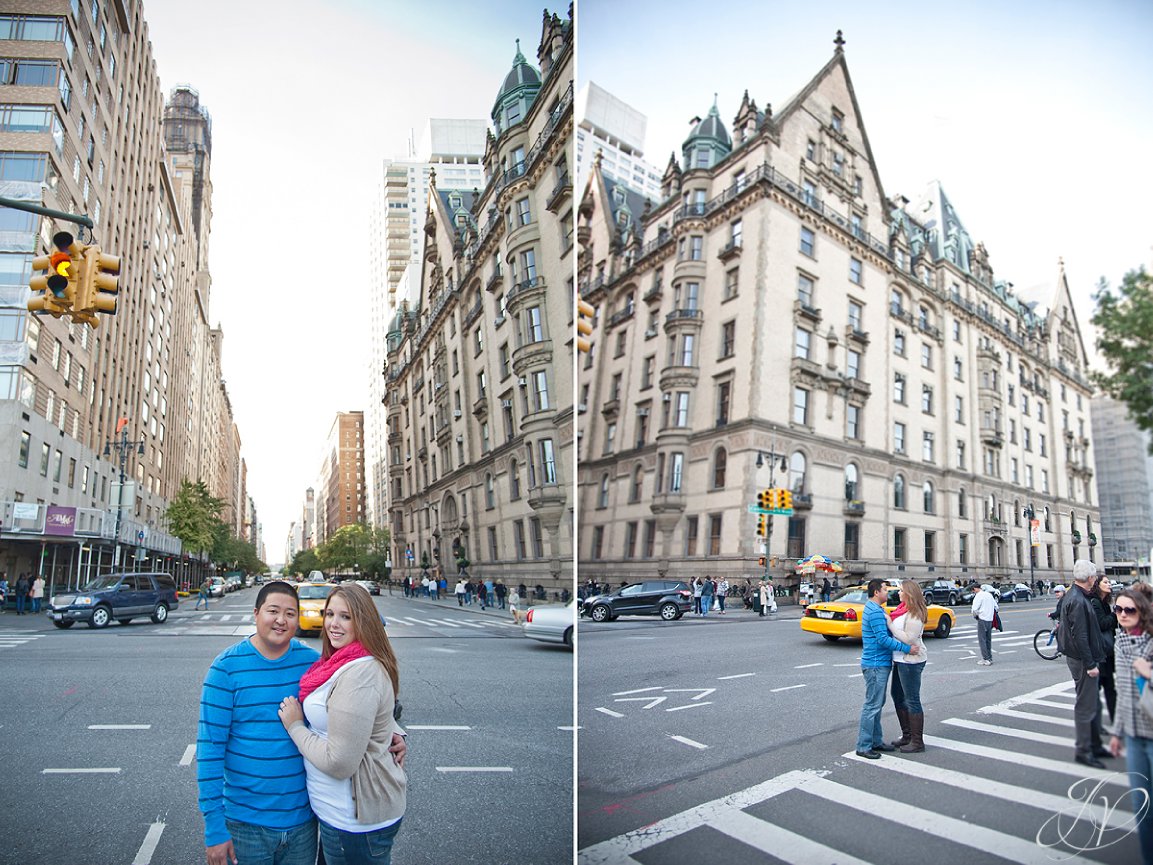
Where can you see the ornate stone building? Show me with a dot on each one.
(777, 319)
(479, 381)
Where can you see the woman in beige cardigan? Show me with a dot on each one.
(356, 787)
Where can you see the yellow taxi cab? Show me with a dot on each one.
(312, 599)
(841, 617)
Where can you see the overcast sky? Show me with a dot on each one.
(306, 100)
(1034, 116)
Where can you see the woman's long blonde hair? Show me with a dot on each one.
(915, 600)
(367, 627)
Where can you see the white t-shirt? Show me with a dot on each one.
(330, 798)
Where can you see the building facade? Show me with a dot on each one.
(479, 383)
(83, 133)
(1125, 481)
(340, 499)
(616, 131)
(778, 321)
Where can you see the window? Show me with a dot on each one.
(853, 422)
(855, 271)
(728, 339)
(930, 500)
(811, 150)
(597, 545)
(25, 445)
(731, 281)
(547, 461)
(714, 534)
(899, 492)
(724, 400)
(898, 437)
(851, 481)
(957, 368)
(899, 551)
(720, 462)
(807, 241)
(930, 543)
(796, 543)
(926, 356)
(852, 540)
(637, 485)
(490, 491)
(959, 409)
(736, 230)
(838, 121)
(681, 412)
(45, 454)
(855, 312)
(630, 540)
(610, 437)
(927, 446)
(808, 192)
(800, 406)
(797, 469)
(696, 247)
(513, 481)
(647, 372)
(898, 388)
(540, 401)
(960, 454)
(852, 364)
(523, 212)
(899, 342)
(691, 528)
(802, 344)
(926, 399)
(533, 325)
(804, 290)
(676, 471)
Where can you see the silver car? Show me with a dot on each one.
(552, 624)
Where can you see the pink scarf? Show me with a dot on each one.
(898, 611)
(322, 670)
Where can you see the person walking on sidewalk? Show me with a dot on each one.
(984, 609)
(722, 593)
(22, 589)
(877, 647)
(1079, 639)
(514, 606)
(907, 624)
(37, 593)
(460, 591)
(501, 593)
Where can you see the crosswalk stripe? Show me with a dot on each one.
(973, 835)
(1012, 732)
(1033, 716)
(472, 625)
(396, 621)
(447, 622)
(421, 622)
(1062, 767)
(772, 839)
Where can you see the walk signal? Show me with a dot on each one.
(55, 291)
(586, 312)
(98, 284)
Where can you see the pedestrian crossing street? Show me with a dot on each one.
(12, 639)
(962, 643)
(999, 784)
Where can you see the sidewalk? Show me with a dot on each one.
(450, 600)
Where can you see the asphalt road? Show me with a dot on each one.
(731, 740)
(97, 729)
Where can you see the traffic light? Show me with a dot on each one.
(761, 524)
(765, 499)
(786, 499)
(586, 312)
(98, 284)
(761, 561)
(58, 287)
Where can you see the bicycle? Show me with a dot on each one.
(1045, 643)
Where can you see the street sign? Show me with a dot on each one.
(784, 512)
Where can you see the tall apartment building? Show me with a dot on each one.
(452, 148)
(340, 497)
(615, 130)
(479, 407)
(1125, 480)
(778, 320)
(81, 132)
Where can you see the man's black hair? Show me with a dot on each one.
(278, 587)
(873, 586)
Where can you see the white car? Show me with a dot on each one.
(551, 624)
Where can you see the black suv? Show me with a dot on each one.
(669, 599)
(116, 596)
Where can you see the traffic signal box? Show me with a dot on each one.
(767, 499)
(586, 312)
(55, 292)
(98, 284)
(762, 524)
(785, 499)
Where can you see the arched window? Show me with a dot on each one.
(489, 491)
(720, 462)
(930, 499)
(850, 482)
(797, 468)
(513, 480)
(637, 485)
(603, 495)
(899, 492)
(961, 502)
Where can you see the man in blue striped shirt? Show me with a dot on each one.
(877, 647)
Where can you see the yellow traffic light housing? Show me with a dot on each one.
(787, 499)
(765, 499)
(98, 284)
(586, 312)
(55, 292)
(761, 524)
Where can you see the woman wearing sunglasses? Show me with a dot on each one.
(1101, 599)
(1132, 727)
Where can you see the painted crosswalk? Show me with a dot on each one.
(1009, 762)
(12, 639)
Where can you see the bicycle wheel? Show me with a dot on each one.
(1045, 644)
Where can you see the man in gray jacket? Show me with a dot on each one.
(1079, 639)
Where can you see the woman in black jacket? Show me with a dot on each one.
(1102, 602)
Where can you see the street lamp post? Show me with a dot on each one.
(1030, 514)
(122, 446)
(771, 455)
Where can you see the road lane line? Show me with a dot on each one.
(688, 742)
(636, 691)
(737, 676)
(772, 839)
(144, 854)
(689, 706)
(787, 688)
(806, 666)
(436, 727)
(474, 768)
(119, 726)
(605, 711)
(80, 771)
(570, 729)
(189, 753)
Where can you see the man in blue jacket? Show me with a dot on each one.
(877, 650)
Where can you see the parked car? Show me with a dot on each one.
(231, 584)
(1018, 592)
(669, 599)
(551, 624)
(942, 592)
(841, 617)
(217, 588)
(118, 596)
(370, 586)
(312, 599)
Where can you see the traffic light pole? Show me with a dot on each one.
(1029, 514)
(772, 456)
(27, 207)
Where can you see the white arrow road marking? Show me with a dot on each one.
(605, 711)
(704, 692)
(637, 691)
(687, 706)
(655, 701)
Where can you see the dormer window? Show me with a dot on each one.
(838, 121)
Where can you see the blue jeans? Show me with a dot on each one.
(354, 848)
(706, 604)
(19, 604)
(36, 605)
(1139, 763)
(906, 688)
(256, 845)
(876, 678)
